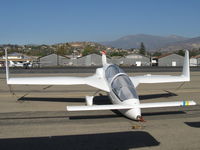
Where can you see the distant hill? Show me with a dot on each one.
(151, 42)
(193, 43)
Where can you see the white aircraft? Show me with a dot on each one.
(120, 87)
(19, 64)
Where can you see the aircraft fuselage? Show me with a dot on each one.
(122, 91)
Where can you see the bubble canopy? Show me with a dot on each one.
(111, 71)
(121, 85)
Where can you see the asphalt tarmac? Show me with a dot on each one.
(34, 117)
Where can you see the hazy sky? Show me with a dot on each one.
(55, 21)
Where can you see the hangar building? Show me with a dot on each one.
(195, 61)
(132, 60)
(89, 60)
(50, 60)
(170, 60)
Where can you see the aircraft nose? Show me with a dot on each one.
(134, 114)
(140, 118)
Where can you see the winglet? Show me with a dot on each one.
(7, 67)
(104, 60)
(186, 67)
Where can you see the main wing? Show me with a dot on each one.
(96, 80)
(124, 107)
(93, 81)
(185, 76)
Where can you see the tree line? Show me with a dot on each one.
(67, 49)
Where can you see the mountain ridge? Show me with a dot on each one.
(153, 42)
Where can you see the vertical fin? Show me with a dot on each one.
(186, 66)
(104, 60)
(7, 67)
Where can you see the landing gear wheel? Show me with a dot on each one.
(140, 119)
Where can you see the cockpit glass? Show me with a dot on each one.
(111, 71)
(123, 88)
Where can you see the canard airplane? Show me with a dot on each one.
(120, 87)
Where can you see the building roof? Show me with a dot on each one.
(134, 54)
(51, 55)
(165, 55)
(17, 57)
(90, 55)
(15, 54)
(197, 56)
(116, 57)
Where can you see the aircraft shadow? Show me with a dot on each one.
(97, 100)
(163, 113)
(95, 117)
(117, 114)
(105, 141)
(155, 96)
(193, 124)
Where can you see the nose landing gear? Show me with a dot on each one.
(140, 119)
